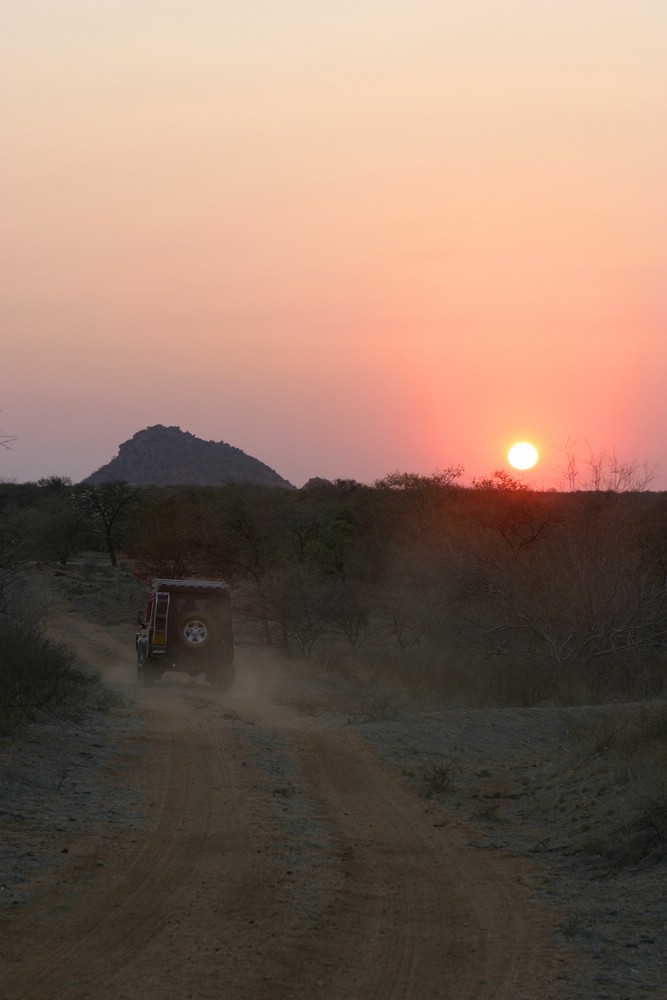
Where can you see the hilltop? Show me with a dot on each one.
(168, 456)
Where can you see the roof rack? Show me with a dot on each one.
(192, 584)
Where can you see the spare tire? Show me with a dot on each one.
(195, 631)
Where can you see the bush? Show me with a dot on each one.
(633, 744)
(36, 673)
(440, 779)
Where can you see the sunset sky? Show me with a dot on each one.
(345, 237)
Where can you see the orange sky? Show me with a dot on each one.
(346, 238)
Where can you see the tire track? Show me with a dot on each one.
(421, 913)
(106, 932)
(207, 901)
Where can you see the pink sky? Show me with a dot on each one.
(347, 238)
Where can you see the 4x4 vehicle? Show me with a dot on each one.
(187, 626)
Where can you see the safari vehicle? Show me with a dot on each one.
(187, 626)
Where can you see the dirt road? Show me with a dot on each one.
(275, 857)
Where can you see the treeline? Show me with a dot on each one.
(494, 593)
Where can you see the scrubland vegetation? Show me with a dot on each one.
(39, 676)
(413, 590)
(493, 594)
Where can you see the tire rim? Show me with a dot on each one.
(195, 632)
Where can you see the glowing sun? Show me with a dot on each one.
(522, 455)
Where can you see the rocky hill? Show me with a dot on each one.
(168, 456)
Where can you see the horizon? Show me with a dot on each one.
(628, 473)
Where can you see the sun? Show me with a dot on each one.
(522, 455)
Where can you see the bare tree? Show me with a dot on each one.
(606, 472)
(108, 504)
(580, 605)
(571, 468)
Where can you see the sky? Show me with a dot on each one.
(348, 238)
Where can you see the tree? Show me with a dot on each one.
(413, 481)
(500, 480)
(409, 505)
(306, 610)
(605, 471)
(163, 532)
(252, 529)
(108, 504)
(579, 609)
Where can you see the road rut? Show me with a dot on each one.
(276, 857)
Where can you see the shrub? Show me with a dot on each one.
(36, 673)
(634, 744)
(439, 778)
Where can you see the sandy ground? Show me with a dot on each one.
(191, 844)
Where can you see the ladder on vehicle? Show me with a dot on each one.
(160, 619)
